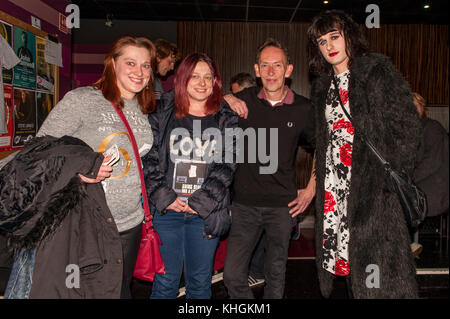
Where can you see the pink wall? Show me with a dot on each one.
(87, 62)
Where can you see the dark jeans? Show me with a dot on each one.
(131, 240)
(246, 229)
(256, 269)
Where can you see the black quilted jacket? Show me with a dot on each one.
(212, 200)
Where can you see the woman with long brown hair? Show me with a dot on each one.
(89, 114)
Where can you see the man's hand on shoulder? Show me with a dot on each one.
(237, 105)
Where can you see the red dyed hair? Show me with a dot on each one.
(182, 77)
(108, 81)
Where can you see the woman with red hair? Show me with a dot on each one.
(188, 174)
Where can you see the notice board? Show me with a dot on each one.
(30, 88)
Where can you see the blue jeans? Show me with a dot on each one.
(21, 277)
(184, 242)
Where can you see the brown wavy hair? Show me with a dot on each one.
(108, 81)
(328, 21)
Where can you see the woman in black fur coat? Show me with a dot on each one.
(360, 228)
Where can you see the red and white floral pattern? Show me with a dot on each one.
(337, 180)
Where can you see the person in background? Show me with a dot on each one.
(431, 173)
(87, 113)
(188, 175)
(359, 219)
(166, 57)
(241, 81)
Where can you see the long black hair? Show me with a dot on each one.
(328, 21)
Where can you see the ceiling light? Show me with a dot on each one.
(325, 2)
(426, 6)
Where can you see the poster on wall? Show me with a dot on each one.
(24, 116)
(25, 48)
(44, 104)
(45, 79)
(6, 138)
(6, 32)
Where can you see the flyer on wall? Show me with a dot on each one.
(45, 79)
(6, 32)
(6, 138)
(24, 116)
(25, 48)
(44, 104)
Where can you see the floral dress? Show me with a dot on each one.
(337, 180)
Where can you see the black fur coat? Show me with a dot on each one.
(381, 106)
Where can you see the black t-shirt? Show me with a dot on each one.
(294, 124)
(191, 149)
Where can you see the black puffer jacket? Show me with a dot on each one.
(212, 200)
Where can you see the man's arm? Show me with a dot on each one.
(305, 195)
(237, 105)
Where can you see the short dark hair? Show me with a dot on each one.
(243, 79)
(165, 48)
(334, 20)
(271, 42)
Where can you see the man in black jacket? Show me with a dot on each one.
(265, 198)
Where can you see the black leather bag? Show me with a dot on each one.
(413, 200)
(411, 197)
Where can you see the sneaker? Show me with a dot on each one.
(416, 249)
(254, 281)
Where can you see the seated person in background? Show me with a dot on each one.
(431, 173)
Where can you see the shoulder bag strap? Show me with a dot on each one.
(148, 216)
(364, 137)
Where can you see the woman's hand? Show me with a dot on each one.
(189, 210)
(103, 173)
(178, 206)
